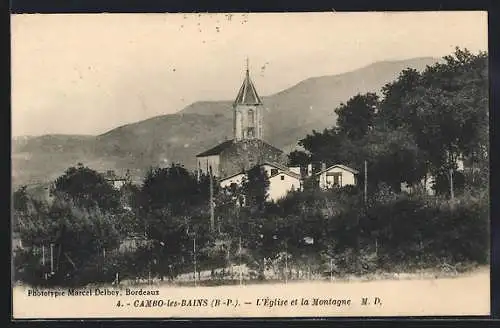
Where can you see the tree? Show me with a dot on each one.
(255, 188)
(130, 200)
(83, 221)
(75, 239)
(174, 188)
(228, 202)
(30, 218)
(87, 188)
(393, 113)
(130, 196)
(299, 158)
(394, 157)
(356, 117)
(174, 207)
(332, 147)
(20, 199)
(20, 203)
(81, 237)
(451, 110)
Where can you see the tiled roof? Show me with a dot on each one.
(289, 173)
(340, 166)
(231, 176)
(276, 165)
(229, 143)
(283, 169)
(217, 149)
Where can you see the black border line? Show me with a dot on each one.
(156, 6)
(151, 6)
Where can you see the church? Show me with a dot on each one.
(247, 148)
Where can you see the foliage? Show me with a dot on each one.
(86, 188)
(20, 199)
(422, 124)
(83, 220)
(299, 158)
(174, 188)
(255, 188)
(356, 117)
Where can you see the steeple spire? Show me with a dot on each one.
(247, 111)
(247, 94)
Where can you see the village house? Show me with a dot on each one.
(116, 181)
(282, 180)
(235, 179)
(337, 175)
(426, 184)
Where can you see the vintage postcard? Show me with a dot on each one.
(250, 165)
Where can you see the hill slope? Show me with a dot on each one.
(289, 116)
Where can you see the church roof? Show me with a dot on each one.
(247, 94)
(231, 143)
(217, 149)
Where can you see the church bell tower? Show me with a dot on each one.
(247, 111)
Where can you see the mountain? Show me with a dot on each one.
(289, 116)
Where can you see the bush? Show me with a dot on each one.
(392, 232)
(416, 232)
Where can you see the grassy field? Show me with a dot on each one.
(232, 277)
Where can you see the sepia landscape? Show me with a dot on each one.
(377, 175)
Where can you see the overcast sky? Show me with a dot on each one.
(86, 74)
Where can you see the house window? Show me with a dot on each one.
(274, 171)
(282, 177)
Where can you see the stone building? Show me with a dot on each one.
(247, 148)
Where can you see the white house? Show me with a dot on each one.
(337, 175)
(281, 183)
(272, 168)
(116, 181)
(281, 180)
(235, 178)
